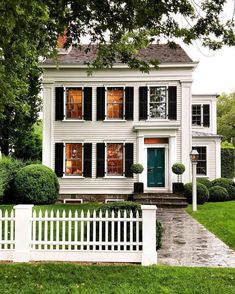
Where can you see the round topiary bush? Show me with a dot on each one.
(202, 193)
(178, 168)
(205, 182)
(217, 194)
(137, 168)
(36, 184)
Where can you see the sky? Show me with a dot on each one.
(215, 72)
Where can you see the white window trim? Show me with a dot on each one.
(64, 160)
(202, 115)
(65, 112)
(106, 161)
(148, 103)
(124, 104)
(203, 175)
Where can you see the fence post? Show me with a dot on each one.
(149, 254)
(23, 214)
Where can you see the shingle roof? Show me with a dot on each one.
(161, 52)
(207, 135)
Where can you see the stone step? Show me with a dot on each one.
(160, 198)
(165, 204)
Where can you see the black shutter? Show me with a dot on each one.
(143, 103)
(87, 167)
(172, 102)
(129, 103)
(100, 103)
(59, 103)
(87, 103)
(59, 159)
(128, 159)
(206, 115)
(100, 159)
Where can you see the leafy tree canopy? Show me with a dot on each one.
(226, 117)
(29, 30)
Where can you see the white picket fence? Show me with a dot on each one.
(83, 237)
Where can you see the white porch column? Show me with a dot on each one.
(149, 254)
(172, 160)
(140, 156)
(186, 129)
(48, 118)
(23, 214)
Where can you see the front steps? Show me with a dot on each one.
(164, 200)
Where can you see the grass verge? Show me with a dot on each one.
(72, 278)
(219, 218)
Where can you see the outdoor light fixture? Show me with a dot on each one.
(194, 156)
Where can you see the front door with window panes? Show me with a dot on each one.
(115, 99)
(73, 159)
(158, 102)
(114, 159)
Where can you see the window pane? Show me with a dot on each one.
(74, 103)
(196, 115)
(114, 159)
(73, 159)
(157, 104)
(115, 103)
(201, 165)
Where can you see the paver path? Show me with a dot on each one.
(188, 243)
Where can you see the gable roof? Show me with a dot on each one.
(161, 52)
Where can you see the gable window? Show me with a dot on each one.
(115, 103)
(202, 161)
(114, 159)
(157, 102)
(73, 159)
(201, 115)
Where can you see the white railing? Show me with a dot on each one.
(85, 236)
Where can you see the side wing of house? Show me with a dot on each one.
(204, 136)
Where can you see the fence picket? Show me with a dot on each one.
(100, 229)
(94, 230)
(63, 229)
(51, 228)
(76, 230)
(82, 229)
(125, 231)
(46, 228)
(12, 229)
(70, 229)
(40, 229)
(106, 229)
(57, 229)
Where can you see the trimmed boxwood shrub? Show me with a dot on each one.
(202, 193)
(228, 162)
(178, 168)
(36, 184)
(231, 192)
(205, 182)
(128, 206)
(137, 168)
(217, 194)
(222, 182)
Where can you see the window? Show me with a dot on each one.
(201, 165)
(74, 103)
(158, 102)
(201, 115)
(114, 159)
(73, 159)
(115, 103)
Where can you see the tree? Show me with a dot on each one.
(226, 117)
(29, 29)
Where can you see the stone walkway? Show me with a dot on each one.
(188, 243)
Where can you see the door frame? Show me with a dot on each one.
(166, 147)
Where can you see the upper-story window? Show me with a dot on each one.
(74, 103)
(115, 103)
(201, 115)
(157, 102)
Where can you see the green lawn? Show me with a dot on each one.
(219, 218)
(72, 278)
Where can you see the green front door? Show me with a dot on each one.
(156, 167)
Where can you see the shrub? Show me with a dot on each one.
(223, 182)
(202, 193)
(178, 169)
(128, 206)
(228, 162)
(36, 184)
(8, 169)
(231, 192)
(137, 168)
(205, 182)
(218, 194)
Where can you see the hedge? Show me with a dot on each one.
(202, 193)
(227, 162)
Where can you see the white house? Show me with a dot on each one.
(96, 126)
